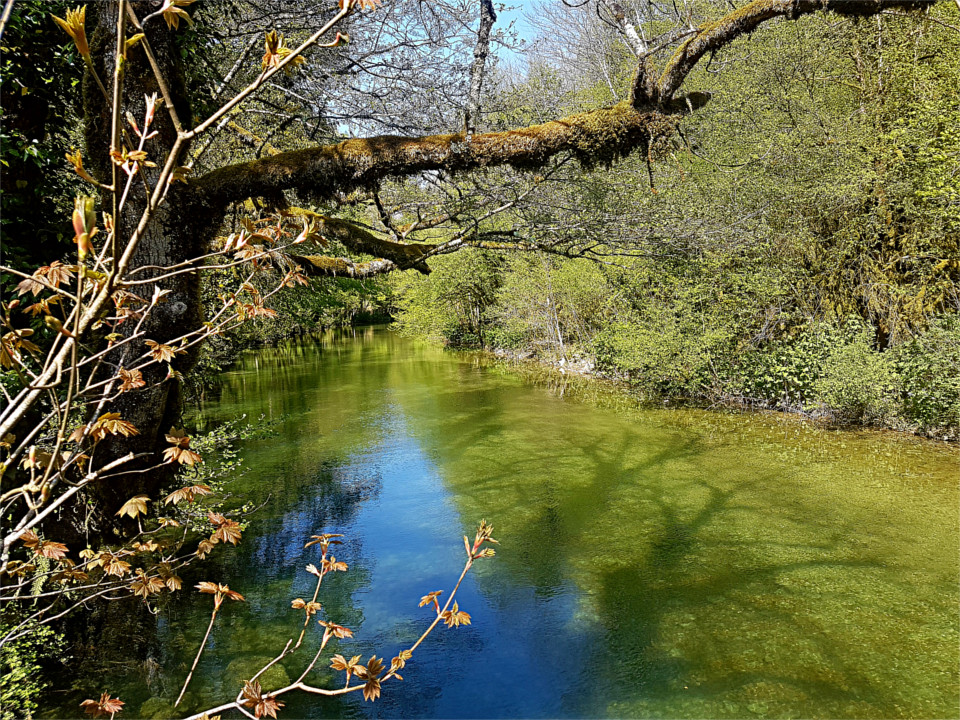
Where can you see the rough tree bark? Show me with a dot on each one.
(168, 240)
(482, 49)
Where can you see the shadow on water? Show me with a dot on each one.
(634, 600)
(720, 572)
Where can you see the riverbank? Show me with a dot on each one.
(534, 365)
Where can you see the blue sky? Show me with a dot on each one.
(515, 13)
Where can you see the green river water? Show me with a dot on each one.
(653, 563)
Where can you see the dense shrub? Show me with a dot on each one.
(21, 679)
(451, 305)
(857, 384)
(929, 367)
(781, 373)
(669, 355)
(827, 369)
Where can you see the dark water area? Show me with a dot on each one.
(653, 563)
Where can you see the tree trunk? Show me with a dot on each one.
(176, 234)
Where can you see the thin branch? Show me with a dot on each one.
(203, 644)
(264, 76)
(8, 8)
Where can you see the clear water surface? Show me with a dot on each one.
(653, 563)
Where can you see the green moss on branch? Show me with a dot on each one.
(595, 138)
(359, 239)
(323, 266)
(715, 35)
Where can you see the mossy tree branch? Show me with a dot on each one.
(323, 266)
(598, 137)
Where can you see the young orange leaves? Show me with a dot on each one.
(228, 532)
(432, 598)
(204, 547)
(276, 51)
(333, 565)
(56, 325)
(11, 345)
(294, 278)
(362, 4)
(74, 27)
(351, 666)
(111, 424)
(173, 582)
(29, 285)
(172, 12)
(189, 493)
(145, 585)
(338, 631)
(180, 174)
(112, 564)
(161, 352)
(324, 541)
(455, 617)
(371, 673)
(310, 608)
(130, 160)
(76, 160)
(46, 548)
(106, 706)
(180, 450)
(399, 662)
(84, 224)
(130, 379)
(137, 505)
(219, 592)
(262, 704)
(484, 532)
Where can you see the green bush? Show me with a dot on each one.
(828, 368)
(509, 338)
(451, 305)
(668, 355)
(929, 367)
(858, 384)
(782, 373)
(21, 676)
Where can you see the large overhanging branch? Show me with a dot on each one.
(598, 137)
(594, 138)
(323, 266)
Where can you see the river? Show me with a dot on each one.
(653, 562)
